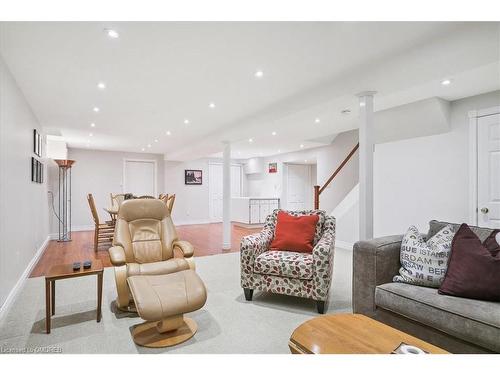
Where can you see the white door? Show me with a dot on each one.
(139, 177)
(488, 171)
(299, 187)
(215, 188)
(215, 191)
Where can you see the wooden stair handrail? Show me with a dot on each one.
(318, 190)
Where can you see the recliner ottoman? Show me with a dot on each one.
(162, 300)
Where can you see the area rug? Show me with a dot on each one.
(226, 324)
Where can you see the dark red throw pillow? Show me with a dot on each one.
(294, 233)
(474, 267)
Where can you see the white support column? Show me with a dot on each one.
(226, 197)
(366, 164)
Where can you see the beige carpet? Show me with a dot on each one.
(226, 324)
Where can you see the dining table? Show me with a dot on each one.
(112, 211)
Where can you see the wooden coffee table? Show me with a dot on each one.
(351, 334)
(65, 271)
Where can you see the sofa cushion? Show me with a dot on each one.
(424, 262)
(474, 321)
(435, 226)
(474, 268)
(286, 264)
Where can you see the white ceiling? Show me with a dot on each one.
(160, 73)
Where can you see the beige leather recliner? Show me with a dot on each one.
(143, 244)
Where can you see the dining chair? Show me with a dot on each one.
(117, 199)
(168, 199)
(103, 232)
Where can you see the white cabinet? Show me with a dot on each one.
(252, 210)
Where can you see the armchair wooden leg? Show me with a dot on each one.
(248, 294)
(321, 306)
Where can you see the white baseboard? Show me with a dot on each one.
(20, 283)
(78, 228)
(344, 244)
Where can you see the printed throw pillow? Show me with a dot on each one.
(424, 263)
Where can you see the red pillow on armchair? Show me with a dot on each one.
(294, 233)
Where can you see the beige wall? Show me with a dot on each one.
(23, 204)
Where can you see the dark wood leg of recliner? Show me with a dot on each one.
(321, 306)
(248, 293)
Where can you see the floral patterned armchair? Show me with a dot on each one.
(296, 274)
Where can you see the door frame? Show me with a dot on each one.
(473, 156)
(155, 172)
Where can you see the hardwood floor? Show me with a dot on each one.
(206, 239)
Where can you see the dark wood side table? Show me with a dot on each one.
(65, 271)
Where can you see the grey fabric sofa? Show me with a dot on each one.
(459, 325)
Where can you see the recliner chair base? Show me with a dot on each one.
(148, 334)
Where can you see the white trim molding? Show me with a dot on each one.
(9, 301)
(473, 123)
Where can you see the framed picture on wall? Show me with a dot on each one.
(40, 172)
(37, 171)
(273, 167)
(193, 177)
(33, 169)
(37, 143)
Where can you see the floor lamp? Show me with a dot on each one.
(64, 199)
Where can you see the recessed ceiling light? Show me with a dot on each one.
(113, 34)
(92, 125)
(96, 109)
(149, 145)
(301, 146)
(156, 141)
(186, 121)
(143, 149)
(279, 151)
(273, 133)
(91, 135)
(362, 104)
(212, 105)
(259, 74)
(250, 140)
(446, 82)
(305, 161)
(168, 132)
(101, 85)
(317, 120)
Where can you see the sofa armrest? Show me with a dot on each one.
(250, 248)
(323, 254)
(186, 247)
(117, 256)
(375, 262)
